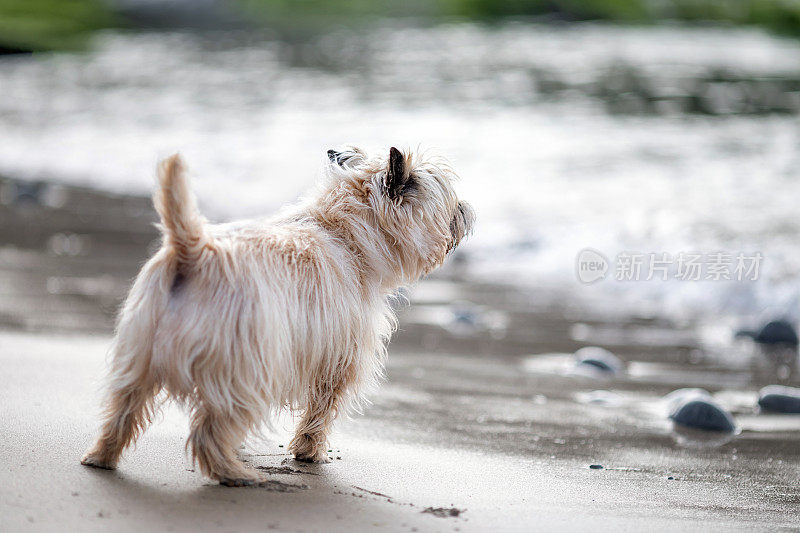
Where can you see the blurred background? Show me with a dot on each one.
(651, 126)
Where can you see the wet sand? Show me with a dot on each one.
(479, 426)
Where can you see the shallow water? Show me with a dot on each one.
(619, 139)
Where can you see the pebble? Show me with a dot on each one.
(599, 359)
(703, 413)
(600, 397)
(779, 399)
(27, 193)
(596, 467)
(777, 332)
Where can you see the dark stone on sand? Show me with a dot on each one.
(705, 414)
(779, 399)
(777, 332)
(465, 315)
(596, 467)
(599, 359)
(23, 192)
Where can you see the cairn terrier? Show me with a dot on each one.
(237, 322)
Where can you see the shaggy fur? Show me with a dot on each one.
(239, 321)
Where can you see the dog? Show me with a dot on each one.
(237, 322)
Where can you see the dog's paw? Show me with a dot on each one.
(94, 460)
(320, 457)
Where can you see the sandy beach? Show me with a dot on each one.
(480, 425)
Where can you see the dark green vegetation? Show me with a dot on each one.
(777, 15)
(35, 25)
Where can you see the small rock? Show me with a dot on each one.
(705, 414)
(596, 467)
(777, 332)
(779, 399)
(599, 397)
(27, 192)
(466, 315)
(599, 359)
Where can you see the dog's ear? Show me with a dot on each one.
(398, 176)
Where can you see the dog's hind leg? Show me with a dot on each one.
(129, 406)
(132, 387)
(214, 441)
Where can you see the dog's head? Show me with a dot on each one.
(410, 200)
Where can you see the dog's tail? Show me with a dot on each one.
(181, 222)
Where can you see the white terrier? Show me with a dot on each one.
(237, 322)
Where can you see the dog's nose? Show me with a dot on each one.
(333, 155)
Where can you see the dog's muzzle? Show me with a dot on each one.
(461, 224)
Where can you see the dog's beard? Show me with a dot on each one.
(461, 224)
